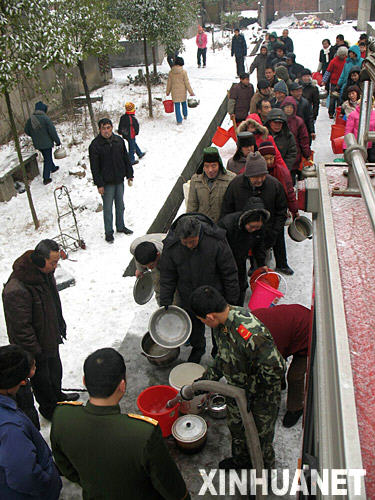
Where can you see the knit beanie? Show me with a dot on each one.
(130, 107)
(245, 139)
(255, 165)
(266, 148)
(40, 106)
(14, 366)
(281, 87)
(342, 51)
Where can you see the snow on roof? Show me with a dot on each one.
(249, 13)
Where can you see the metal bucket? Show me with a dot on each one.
(157, 355)
(300, 229)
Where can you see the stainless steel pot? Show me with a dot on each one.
(190, 433)
(300, 229)
(157, 355)
(216, 406)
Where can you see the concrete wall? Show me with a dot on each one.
(133, 55)
(25, 96)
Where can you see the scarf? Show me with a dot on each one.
(326, 53)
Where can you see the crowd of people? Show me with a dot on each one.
(235, 217)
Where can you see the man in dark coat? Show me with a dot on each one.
(294, 69)
(35, 322)
(276, 57)
(260, 63)
(239, 98)
(289, 325)
(196, 253)
(287, 41)
(27, 469)
(340, 42)
(112, 455)
(310, 91)
(257, 182)
(239, 50)
(110, 164)
(277, 124)
(304, 108)
(43, 133)
(245, 231)
(270, 75)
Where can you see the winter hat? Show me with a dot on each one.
(295, 86)
(276, 115)
(305, 71)
(14, 366)
(266, 148)
(130, 107)
(254, 206)
(281, 87)
(282, 73)
(255, 165)
(342, 51)
(263, 84)
(245, 139)
(40, 106)
(211, 155)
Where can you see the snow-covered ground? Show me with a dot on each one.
(99, 309)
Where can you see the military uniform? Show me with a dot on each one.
(248, 358)
(113, 455)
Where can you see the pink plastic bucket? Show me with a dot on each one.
(263, 295)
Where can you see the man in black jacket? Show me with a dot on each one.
(287, 41)
(110, 164)
(245, 231)
(277, 124)
(304, 108)
(257, 182)
(196, 253)
(310, 91)
(239, 50)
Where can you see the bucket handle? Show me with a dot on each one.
(278, 274)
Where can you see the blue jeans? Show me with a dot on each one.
(177, 110)
(133, 148)
(113, 193)
(48, 165)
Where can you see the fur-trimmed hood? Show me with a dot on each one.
(254, 205)
(254, 118)
(26, 271)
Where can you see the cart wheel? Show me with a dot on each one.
(63, 254)
(82, 244)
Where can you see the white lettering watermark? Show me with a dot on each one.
(280, 483)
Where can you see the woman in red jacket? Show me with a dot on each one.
(299, 130)
(281, 172)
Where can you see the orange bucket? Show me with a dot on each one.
(152, 403)
(338, 145)
(337, 131)
(220, 137)
(168, 106)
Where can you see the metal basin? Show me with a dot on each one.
(157, 355)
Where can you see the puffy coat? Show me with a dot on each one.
(241, 241)
(273, 196)
(109, 161)
(27, 470)
(259, 63)
(294, 69)
(44, 134)
(284, 139)
(261, 133)
(201, 40)
(310, 92)
(205, 198)
(239, 47)
(298, 128)
(239, 100)
(352, 123)
(210, 263)
(126, 122)
(32, 308)
(178, 84)
(349, 65)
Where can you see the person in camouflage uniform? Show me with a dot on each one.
(248, 358)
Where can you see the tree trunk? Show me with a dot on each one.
(147, 79)
(87, 94)
(213, 38)
(154, 62)
(20, 159)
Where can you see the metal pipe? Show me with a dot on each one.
(371, 136)
(364, 116)
(363, 179)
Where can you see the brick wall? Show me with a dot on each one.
(287, 7)
(351, 9)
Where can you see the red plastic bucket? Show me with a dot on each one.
(271, 278)
(338, 145)
(152, 403)
(337, 131)
(340, 121)
(318, 77)
(263, 295)
(220, 137)
(168, 106)
(232, 133)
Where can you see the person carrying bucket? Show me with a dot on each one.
(110, 454)
(178, 84)
(248, 358)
